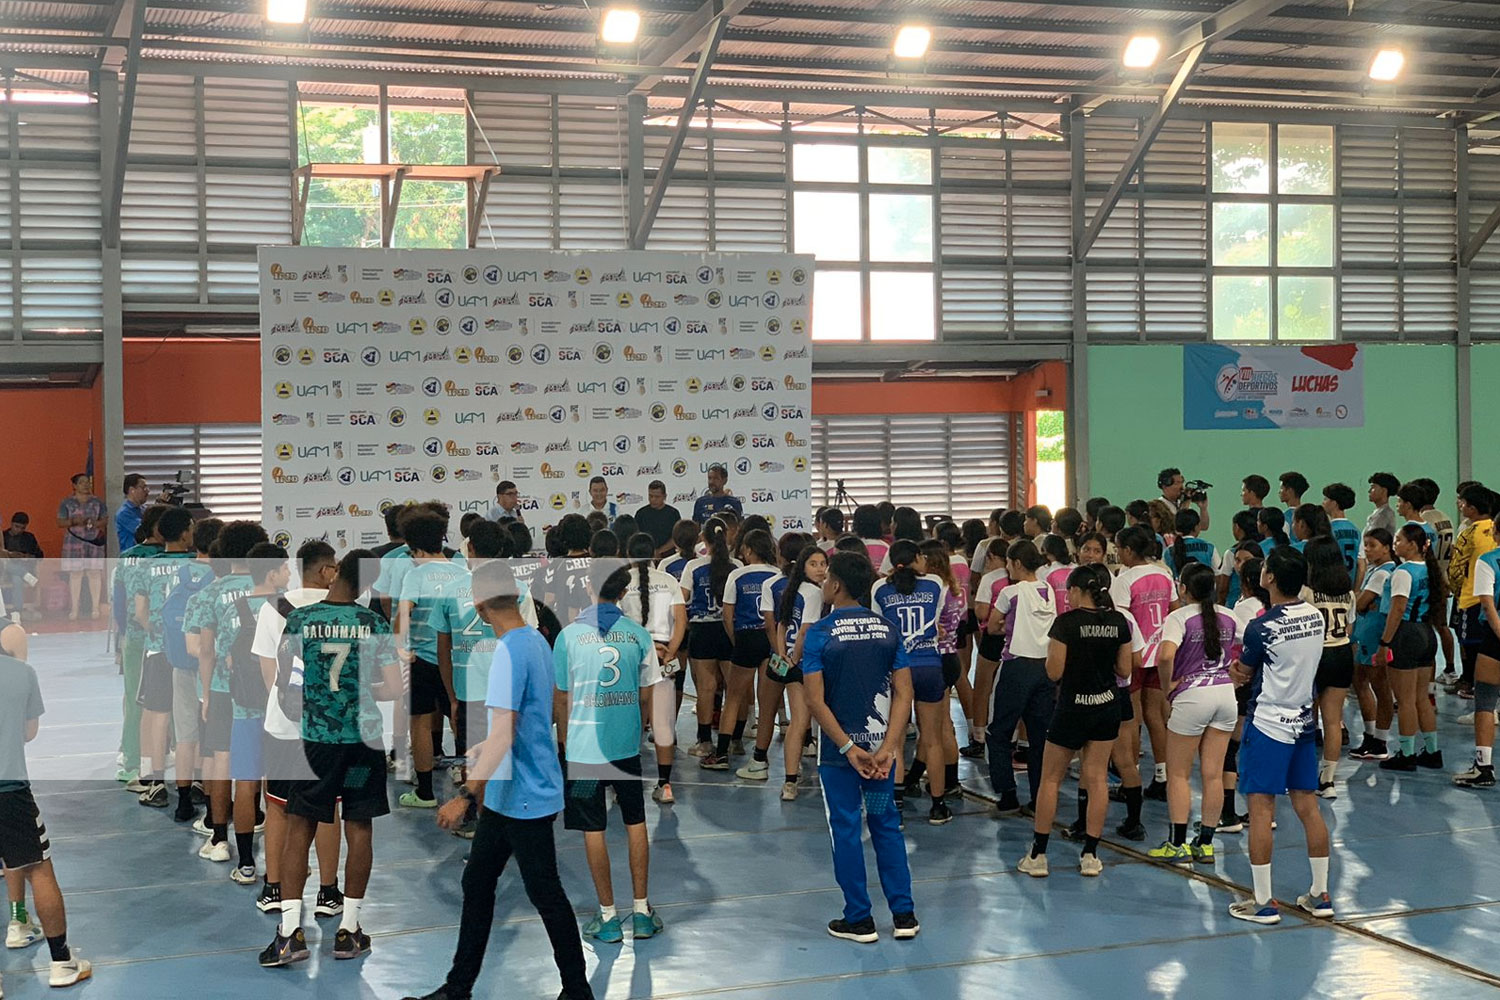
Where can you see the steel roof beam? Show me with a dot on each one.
(1478, 240)
(691, 36)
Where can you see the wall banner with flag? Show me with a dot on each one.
(1236, 388)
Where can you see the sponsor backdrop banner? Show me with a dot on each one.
(410, 375)
(1231, 388)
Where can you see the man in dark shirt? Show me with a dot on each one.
(717, 498)
(20, 568)
(658, 517)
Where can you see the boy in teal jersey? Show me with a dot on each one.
(132, 647)
(1337, 499)
(602, 662)
(419, 604)
(349, 663)
(146, 587)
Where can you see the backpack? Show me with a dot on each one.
(172, 612)
(247, 685)
(288, 669)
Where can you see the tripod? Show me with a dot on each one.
(841, 497)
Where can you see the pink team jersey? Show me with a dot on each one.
(1058, 581)
(1146, 592)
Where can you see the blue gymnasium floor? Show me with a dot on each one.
(744, 884)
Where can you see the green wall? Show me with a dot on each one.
(1484, 389)
(1135, 429)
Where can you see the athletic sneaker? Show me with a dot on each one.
(215, 852)
(1400, 762)
(350, 944)
(809, 749)
(198, 793)
(269, 900)
(600, 929)
(1009, 805)
(1235, 823)
(1202, 853)
(737, 748)
(973, 750)
(1467, 719)
(714, 761)
(645, 925)
(906, 926)
(755, 770)
(74, 970)
(1430, 759)
(1319, 906)
(702, 749)
(19, 935)
(1170, 853)
(1036, 867)
(662, 794)
(411, 800)
(201, 827)
(126, 775)
(1156, 791)
(1076, 831)
(1477, 776)
(1131, 831)
(155, 797)
(1328, 790)
(136, 785)
(1089, 865)
(939, 814)
(285, 950)
(330, 901)
(789, 791)
(1370, 749)
(1249, 909)
(243, 875)
(466, 830)
(863, 932)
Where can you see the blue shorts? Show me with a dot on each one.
(245, 760)
(1271, 767)
(927, 682)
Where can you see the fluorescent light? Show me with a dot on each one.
(286, 11)
(912, 41)
(1387, 65)
(621, 25)
(1141, 52)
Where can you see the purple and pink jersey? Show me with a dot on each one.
(1192, 667)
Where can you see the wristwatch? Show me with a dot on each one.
(1385, 643)
(464, 793)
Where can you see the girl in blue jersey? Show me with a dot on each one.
(1413, 597)
(790, 602)
(751, 649)
(1309, 521)
(1272, 525)
(1372, 683)
(1188, 547)
(913, 602)
(936, 562)
(1243, 528)
(709, 649)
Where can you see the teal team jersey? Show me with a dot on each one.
(155, 577)
(344, 649)
(602, 661)
(473, 640)
(423, 585)
(205, 611)
(1349, 539)
(226, 626)
(393, 568)
(125, 572)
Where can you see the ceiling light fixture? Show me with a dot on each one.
(286, 11)
(912, 41)
(1387, 65)
(1141, 52)
(620, 26)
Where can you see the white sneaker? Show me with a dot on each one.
(1467, 719)
(811, 749)
(456, 774)
(1036, 867)
(74, 970)
(19, 935)
(136, 787)
(1090, 865)
(702, 749)
(201, 827)
(214, 852)
(789, 791)
(755, 770)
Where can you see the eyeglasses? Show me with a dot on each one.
(510, 493)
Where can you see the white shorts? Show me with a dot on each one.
(1197, 709)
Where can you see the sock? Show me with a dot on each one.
(155, 778)
(1320, 875)
(663, 774)
(1133, 804)
(18, 912)
(1228, 810)
(606, 913)
(1083, 805)
(1429, 742)
(424, 785)
(184, 795)
(1482, 757)
(1261, 876)
(291, 916)
(723, 747)
(1160, 773)
(1090, 844)
(1326, 770)
(349, 919)
(642, 906)
(759, 755)
(792, 777)
(1206, 834)
(244, 846)
(221, 833)
(739, 730)
(705, 733)
(915, 772)
(950, 776)
(272, 885)
(1179, 834)
(59, 948)
(1384, 735)
(1039, 844)
(1370, 731)
(1409, 745)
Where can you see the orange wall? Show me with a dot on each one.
(45, 447)
(192, 382)
(958, 395)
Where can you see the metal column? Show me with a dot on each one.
(112, 367)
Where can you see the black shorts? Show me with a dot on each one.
(219, 725)
(23, 837)
(953, 668)
(1489, 642)
(584, 805)
(991, 646)
(1336, 668)
(1469, 625)
(473, 726)
(351, 772)
(427, 692)
(752, 647)
(927, 683)
(285, 765)
(1127, 707)
(1242, 699)
(1075, 725)
(1414, 646)
(709, 641)
(967, 626)
(155, 691)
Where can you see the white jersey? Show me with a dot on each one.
(1029, 609)
(1338, 615)
(269, 624)
(666, 598)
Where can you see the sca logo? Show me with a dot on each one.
(762, 496)
(558, 501)
(583, 469)
(439, 474)
(282, 355)
(694, 384)
(397, 417)
(658, 412)
(569, 354)
(603, 353)
(430, 417)
(432, 447)
(432, 387)
(514, 354)
(283, 390)
(370, 356)
(284, 451)
(679, 467)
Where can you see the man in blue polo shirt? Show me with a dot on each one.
(717, 498)
(857, 682)
(518, 775)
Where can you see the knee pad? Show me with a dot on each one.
(1232, 758)
(1486, 696)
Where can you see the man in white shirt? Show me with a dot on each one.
(507, 502)
(1172, 485)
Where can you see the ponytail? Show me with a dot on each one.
(1056, 549)
(1437, 587)
(641, 547)
(903, 554)
(1094, 581)
(1185, 523)
(1198, 581)
(1273, 525)
(716, 537)
(796, 576)
(1250, 581)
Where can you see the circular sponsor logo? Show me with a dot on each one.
(432, 447)
(742, 466)
(672, 325)
(768, 353)
(694, 442)
(557, 414)
(471, 274)
(418, 326)
(282, 355)
(370, 356)
(396, 417)
(799, 275)
(1227, 382)
(715, 297)
(583, 276)
(540, 354)
(1341, 411)
(305, 356)
(679, 467)
(624, 299)
(284, 451)
(431, 416)
(705, 274)
(739, 440)
(773, 326)
(658, 412)
(439, 473)
(444, 297)
(283, 539)
(514, 354)
(798, 326)
(462, 355)
(283, 390)
(739, 383)
(385, 504)
(345, 476)
(799, 464)
(771, 300)
(558, 501)
(441, 324)
(491, 274)
(603, 353)
(621, 385)
(768, 411)
(385, 297)
(773, 276)
(431, 386)
(583, 469)
(694, 383)
(622, 443)
(468, 326)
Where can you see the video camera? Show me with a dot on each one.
(175, 489)
(1196, 490)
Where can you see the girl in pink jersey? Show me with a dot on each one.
(1059, 565)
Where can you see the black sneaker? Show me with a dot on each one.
(1400, 762)
(714, 761)
(155, 796)
(974, 750)
(1432, 759)
(900, 800)
(285, 950)
(1156, 791)
(956, 792)
(1009, 805)
(906, 926)
(445, 993)
(1117, 793)
(863, 932)
(198, 794)
(350, 944)
(1370, 748)
(1077, 831)
(1232, 823)
(1477, 776)
(330, 901)
(184, 813)
(940, 814)
(269, 900)
(1131, 831)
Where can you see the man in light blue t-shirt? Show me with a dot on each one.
(518, 776)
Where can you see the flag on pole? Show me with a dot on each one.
(88, 463)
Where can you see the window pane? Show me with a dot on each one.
(900, 227)
(432, 214)
(898, 165)
(334, 133)
(1306, 306)
(1242, 308)
(1242, 158)
(1304, 235)
(827, 225)
(342, 214)
(1241, 238)
(825, 163)
(901, 306)
(835, 313)
(428, 137)
(1304, 159)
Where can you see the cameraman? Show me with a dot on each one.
(1173, 487)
